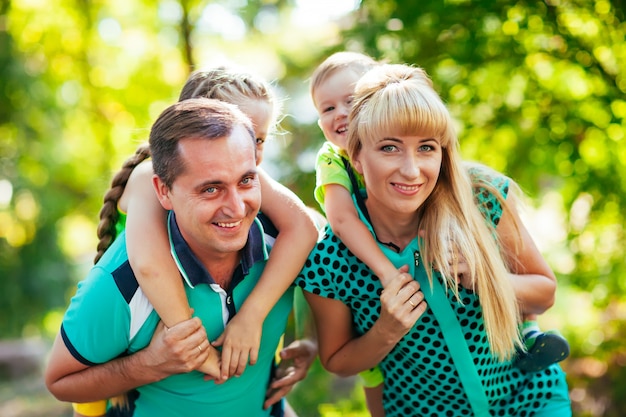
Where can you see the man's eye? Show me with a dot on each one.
(210, 190)
(327, 109)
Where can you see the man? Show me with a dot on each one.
(204, 159)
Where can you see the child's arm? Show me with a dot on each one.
(296, 238)
(347, 225)
(148, 248)
(536, 290)
(149, 254)
(374, 400)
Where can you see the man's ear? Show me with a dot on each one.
(162, 191)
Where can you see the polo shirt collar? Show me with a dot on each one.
(192, 269)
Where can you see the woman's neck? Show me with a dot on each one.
(393, 229)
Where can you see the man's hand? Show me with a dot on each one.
(177, 350)
(296, 361)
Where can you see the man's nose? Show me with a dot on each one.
(234, 204)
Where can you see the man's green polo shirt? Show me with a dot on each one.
(110, 316)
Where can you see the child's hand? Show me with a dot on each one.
(393, 274)
(460, 269)
(211, 365)
(240, 339)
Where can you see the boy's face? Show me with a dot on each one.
(333, 100)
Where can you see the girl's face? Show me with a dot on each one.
(400, 172)
(333, 101)
(260, 113)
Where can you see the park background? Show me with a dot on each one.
(536, 87)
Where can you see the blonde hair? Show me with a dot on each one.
(400, 100)
(354, 61)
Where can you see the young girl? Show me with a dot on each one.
(148, 247)
(332, 86)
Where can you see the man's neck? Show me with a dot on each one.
(222, 269)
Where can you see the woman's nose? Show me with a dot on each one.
(411, 167)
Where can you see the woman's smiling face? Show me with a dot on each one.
(400, 172)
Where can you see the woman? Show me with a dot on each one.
(445, 333)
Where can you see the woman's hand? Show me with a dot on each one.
(402, 304)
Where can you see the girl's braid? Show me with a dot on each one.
(109, 214)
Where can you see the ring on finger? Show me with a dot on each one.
(412, 303)
(199, 347)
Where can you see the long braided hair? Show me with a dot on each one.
(109, 214)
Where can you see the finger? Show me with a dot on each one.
(239, 364)
(408, 290)
(419, 310)
(394, 285)
(254, 355)
(288, 378)
(289, 352)
(219, 341)
(208, 377)
(234, 362)
(275, 395)
(415, 299)
(226, 358)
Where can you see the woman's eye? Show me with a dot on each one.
(260, 141)
(388, 148)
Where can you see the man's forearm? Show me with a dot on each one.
(106, 380)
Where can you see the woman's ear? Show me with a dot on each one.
(356, 163)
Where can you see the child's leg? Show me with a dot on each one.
(374, 400)
(542, 348)
(372, 380)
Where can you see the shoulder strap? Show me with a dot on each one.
(356, 189)
(455, 340)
